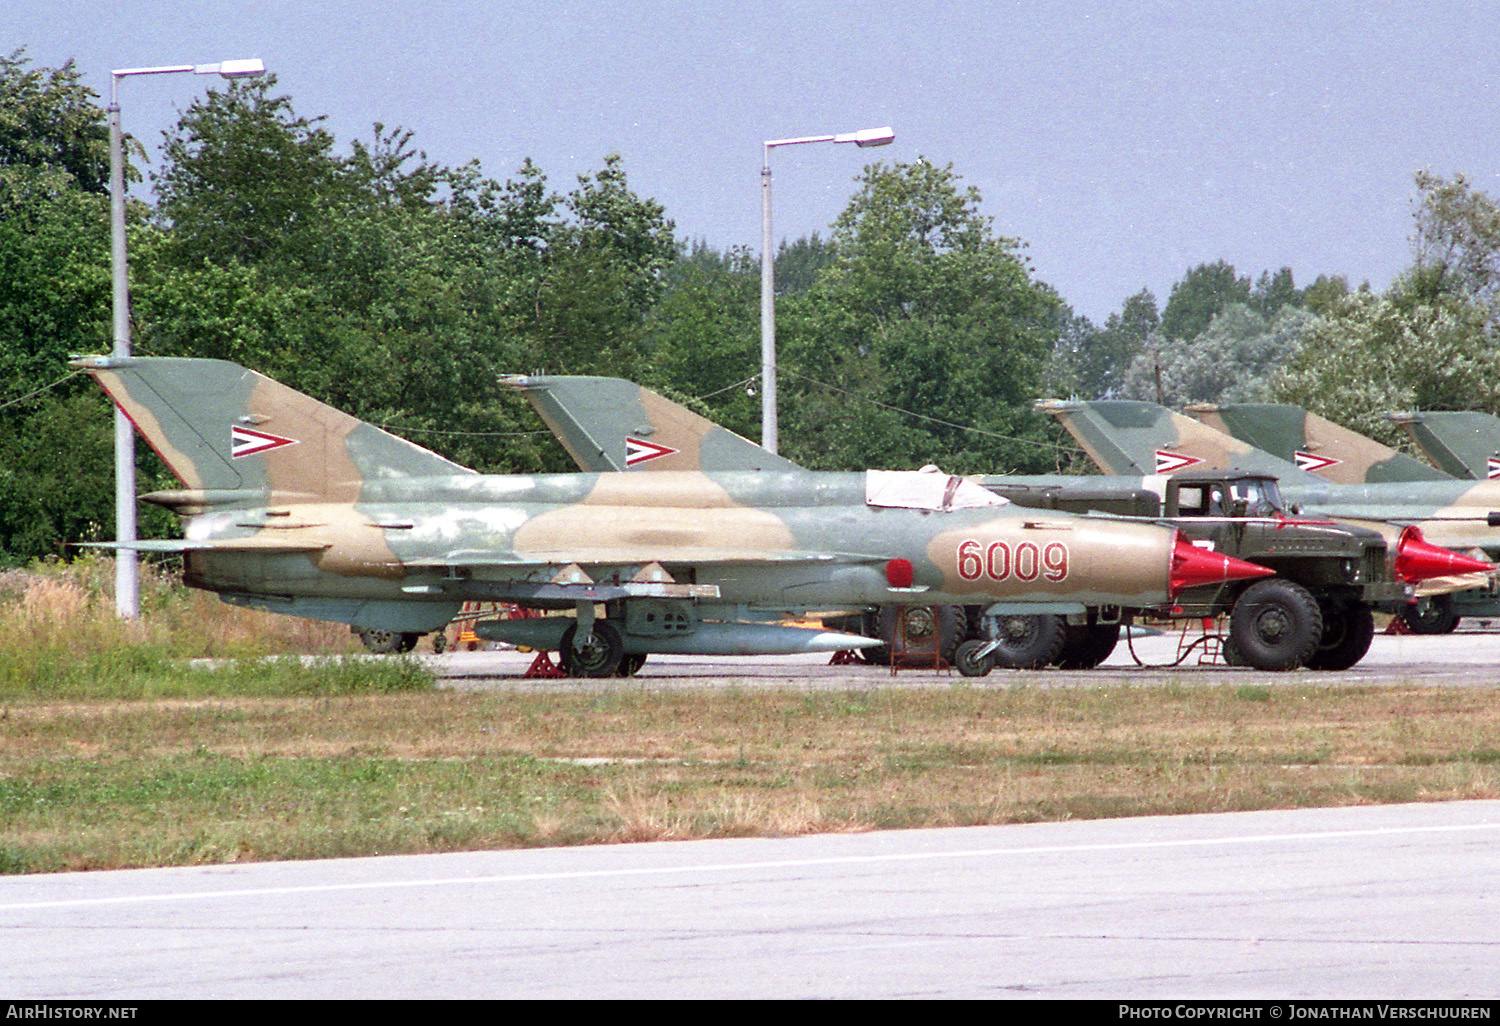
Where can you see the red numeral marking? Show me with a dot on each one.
(998, 561)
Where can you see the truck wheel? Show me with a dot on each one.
(387, 642)
(918, 629)
(600, 657)
(1086, 645)
(1276, 625)
(1028, 642)
(1347, 633)
(1433, 615)
(967, 664)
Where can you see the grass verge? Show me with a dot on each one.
(97, 784)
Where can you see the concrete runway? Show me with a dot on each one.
(1389, 902)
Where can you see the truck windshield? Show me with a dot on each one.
(1261, 496)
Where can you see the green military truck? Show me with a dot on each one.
(1315, 612)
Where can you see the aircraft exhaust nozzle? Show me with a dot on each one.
(1418, 559)
(1193, 566)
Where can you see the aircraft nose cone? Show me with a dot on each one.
(1419, 560)
(1192, 566)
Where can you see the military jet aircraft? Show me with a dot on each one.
(1466, 445)
(292, 506)
(602, 422)
(1129, 437)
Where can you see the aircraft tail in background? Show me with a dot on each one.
(1465, 445)
(613, 424)
(1313, 443)
(1139, 438)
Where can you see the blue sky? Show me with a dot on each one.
(1123, 142)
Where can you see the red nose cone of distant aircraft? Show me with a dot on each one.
(1193, 566)
(1419, 560)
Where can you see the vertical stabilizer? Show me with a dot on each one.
(1139, 438)
(1313, 443)
(224, 429)
(1465, 444)
(612, 424)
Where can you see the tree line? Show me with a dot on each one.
(400, 290)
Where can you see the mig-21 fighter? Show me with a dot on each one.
(1330, 577)
(292, 506)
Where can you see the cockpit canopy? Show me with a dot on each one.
(926, 489)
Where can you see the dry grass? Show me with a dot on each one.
(103, 784)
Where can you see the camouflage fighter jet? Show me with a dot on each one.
(1313, 443)
(1128, 437)
(611, 415)
(291, 506)
(1465, 445)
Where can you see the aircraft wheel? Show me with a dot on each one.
(383, 642)
(1086, 645)
(1347, 634)
(1433, 615)
(600, 657)
(1276, 625)
(1231, 654)
(1028, 642)
(631, 663)
(968, 665)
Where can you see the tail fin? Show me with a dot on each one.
(228, 433)
(1314, 444)
(1124, 437)
(612, 424)
(1466, 445)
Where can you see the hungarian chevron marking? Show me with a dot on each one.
(245, 441)
(1168, 462)
(639, 451)
(1312, 462)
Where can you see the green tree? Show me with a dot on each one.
(1199, 297)
(1456, 242)
(924, 325)
(704, 336)
(53, 136)
(56, 467)
(1234, 359)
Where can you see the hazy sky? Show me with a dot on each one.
(1124, 142)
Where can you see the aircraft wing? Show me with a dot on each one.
(175, 546)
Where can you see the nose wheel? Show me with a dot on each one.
(599, 655)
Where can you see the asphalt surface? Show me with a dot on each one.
(1470, 657)
(1387, 902)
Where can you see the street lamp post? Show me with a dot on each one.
(867, 137)
(127, 586)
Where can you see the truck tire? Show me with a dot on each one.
(1433, 615)
(1347, 633)
(383, 642)
(913, 636)
(1086, 645)
(1028, 642)
(1276, 625)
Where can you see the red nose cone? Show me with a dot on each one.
(1419, 560)
(1192, 566)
